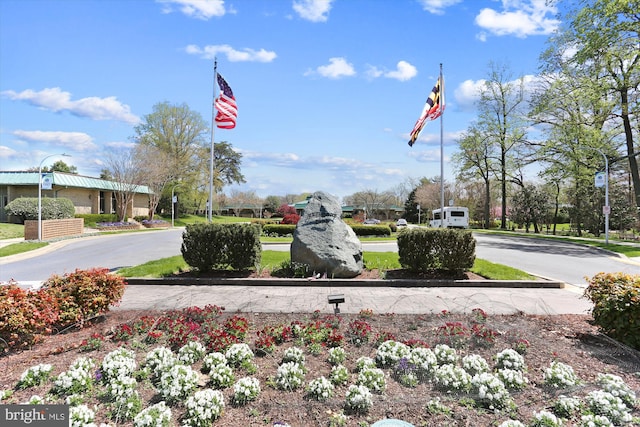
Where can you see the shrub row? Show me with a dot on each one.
(423, 250)
(27, 316)
(278, 229)
(616, 306)
(371, 230)
(208, 247)
(90, 220)
(52, 208)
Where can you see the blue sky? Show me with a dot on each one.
(327, 90)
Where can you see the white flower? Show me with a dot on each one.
(389, 352)
(617, 387)
(604, 403)
(373, 379)
(490, 390)
(246, 389)
(474, 364)
(560, 375)
(545, 419)
(510, 359)
(451, 378)
(213, 359)
(177, 383)
(445, 355)
(337, 355)
(80, 416)
(238, 354)
(320, 389)
(204, 407)
(154, 416)
(293, 354)
(358, 398)
(290, 376)
(191, 352)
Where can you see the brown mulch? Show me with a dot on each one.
(571, 339)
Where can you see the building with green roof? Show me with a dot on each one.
(89, 195)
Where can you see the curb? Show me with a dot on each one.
(391, 283)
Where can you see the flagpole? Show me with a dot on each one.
(213, 126)
(441, 148)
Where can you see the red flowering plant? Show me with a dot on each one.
(482, 335)
(413, 343)
(218, 340)
(334, 339)
(454, 334)
(237, 326)
(265, 343)
(123, 332)
(144, 323)
(384, 336)
(359, 332)
(94, 342)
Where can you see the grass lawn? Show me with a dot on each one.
(11, 231)
(271, 259)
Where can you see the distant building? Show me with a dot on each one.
(89, 195)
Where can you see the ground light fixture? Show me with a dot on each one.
(336, 299)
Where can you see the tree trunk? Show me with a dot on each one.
(633, 162)
(487, 204)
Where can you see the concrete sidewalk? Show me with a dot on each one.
(380, 299)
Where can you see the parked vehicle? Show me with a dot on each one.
(453, 217)
(401, 222)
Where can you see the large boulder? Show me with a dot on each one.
(324, 242)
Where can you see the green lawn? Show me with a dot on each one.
(271, 259)
(11, 231)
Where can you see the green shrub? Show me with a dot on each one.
(208, 247)
(90, 220)
(278, 229)
(422, 250)
(371, 230)
(84, 293)
(52, 208)
(616, 305)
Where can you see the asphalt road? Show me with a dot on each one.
(556, 260)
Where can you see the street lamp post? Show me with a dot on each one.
(40, 192)
(173, 204)
(606, 208)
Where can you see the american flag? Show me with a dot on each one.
(433, 108)
(227, 110)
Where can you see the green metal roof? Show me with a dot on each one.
(64, 180)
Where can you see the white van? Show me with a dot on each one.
(454, 217)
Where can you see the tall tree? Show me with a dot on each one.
(157, 171)
(502, 120)
(476, 159)
(608, 32)
(126, 170)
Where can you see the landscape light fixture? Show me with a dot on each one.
(336, 299)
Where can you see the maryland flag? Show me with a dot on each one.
(433, 109)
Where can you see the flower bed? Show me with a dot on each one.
(155, 223)
(315, 375)
(117, 226)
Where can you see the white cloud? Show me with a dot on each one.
(199, 9)
(313, 10)
(6, 152)
(437, 7)
(77, 141)
(427, 156)
(119, 145)
(468, 92)
(337, 68)
(403, 72)
(233, 55)
(95, 108)
(521, 18)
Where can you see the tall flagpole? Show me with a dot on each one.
(213, 126)
(442, 105)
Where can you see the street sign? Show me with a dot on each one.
(601, 179)
(606, 210)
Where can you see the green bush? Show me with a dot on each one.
(371, 230)
(52, 208)
(422, 250)
(278, 229)
(616, 306)
(84, 293)
(208, 247)
(90, 220)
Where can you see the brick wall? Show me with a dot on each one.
(52, 228)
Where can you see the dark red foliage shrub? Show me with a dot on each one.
(25, 317)
(290, 219)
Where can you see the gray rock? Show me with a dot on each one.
(324, 242)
